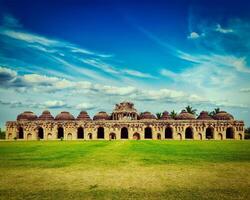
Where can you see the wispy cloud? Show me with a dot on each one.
(223, 30)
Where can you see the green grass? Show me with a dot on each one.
(125, 170)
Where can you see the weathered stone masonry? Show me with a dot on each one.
(124, 123)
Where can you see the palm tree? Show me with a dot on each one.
(173, 114)
(215, 111)
(190, 110)
(158, 115)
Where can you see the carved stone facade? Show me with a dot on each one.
(124, 123)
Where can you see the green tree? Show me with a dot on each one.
(173, 114)
(2, 134)
(215, 111)
(190, 110)
(158, 115)
(247, 133)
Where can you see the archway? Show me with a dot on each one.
(200, 136)
(40, 133)
(148, 133)
(168, 133)
(60, 133)
(136, 136)
(240, 136)
(90, 136)
(230, 133)
(158, 136)
(189, 133)
(100, 133)
(209, 133)
(20, 133)
(124, 133)
(179, 136)
(29, 136)
(69, 136)
(49, 136)
(80, 133)
(112, 136)
(220, 136)
(10, 136)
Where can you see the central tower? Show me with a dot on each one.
(124, 111)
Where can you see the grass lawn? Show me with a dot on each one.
(125, 170)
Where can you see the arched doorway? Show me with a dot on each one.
(80, 133)
(136, 136)
(124, 133)
(10, 136)
(20, 133)
(148, 133)
(179, 136)
(158, 136)
(220, 136)
(230, 133)
(60, 133)
(168, 133)
(240, 136)
(49, 136)
(29, 136)
(200, 136)
(209, 133)
(69, 136)
(189, 133)
(100, 133)
(112, 136)
(90, 136)
(40, 133)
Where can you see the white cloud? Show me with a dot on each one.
(193, 35)
(137, 73)
(54, 104)
(223, 30)
(85, 106)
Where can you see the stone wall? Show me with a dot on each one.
(198, 129)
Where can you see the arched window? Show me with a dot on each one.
(230, 133)
(112, 136)
(136, 136)
(69, 136)
(200, 136)
(168, 133)
(124, 133)
(148, 133)
(60, 133)
(90, 136)
(20, 133)
(209, 133)
(189, 133)
(158, 136)
(100, 133)
(179, 136)
(40, 133)
(80, 133)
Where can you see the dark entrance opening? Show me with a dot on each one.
(20, 133)
(230, 133)
(209, 133)
(148, 133)
(112, 136)
(100, 133)
(124, 133)
(189, 133)
(60, 133)
(40, 133)
(80, 133)
(168, 133)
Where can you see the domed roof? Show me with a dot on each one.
(46, 116)
(83, 115)
(64, 116)
(204, 116)
(165, 115)
(101, 116)
(223, 115)
(27, 115)
(184, 115)
(147, 115)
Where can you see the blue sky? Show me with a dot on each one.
(89, 55)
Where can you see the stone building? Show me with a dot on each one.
(124, 123)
